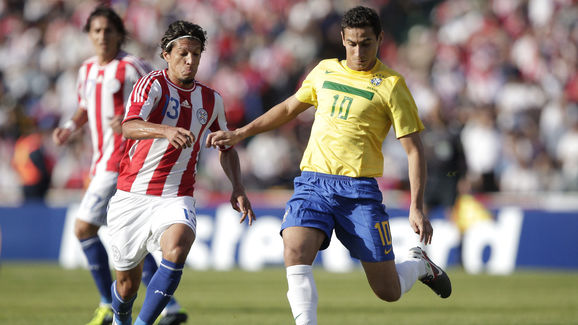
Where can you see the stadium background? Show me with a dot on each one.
(495, 82)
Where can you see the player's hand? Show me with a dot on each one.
(240, 202)
(115, 123)
(421, 225)
(179, 138)
(222, 139)
(61, 135)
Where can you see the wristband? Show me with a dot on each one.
(70, 125)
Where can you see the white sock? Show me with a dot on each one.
(409, 271)
(302, 294)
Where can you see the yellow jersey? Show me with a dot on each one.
(354, 112)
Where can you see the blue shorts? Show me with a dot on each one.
(350, 206)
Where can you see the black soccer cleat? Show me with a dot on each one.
(435, 278)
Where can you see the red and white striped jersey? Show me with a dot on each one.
(154, 166)
(103, 91)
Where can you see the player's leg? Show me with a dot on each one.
(301, 245)
(390, 281)
(307, 227)
(175, 243)
(91, 216)
(366, 234)
(172, 314)
(97, 258)
(129, 220)
(364, 229)
(124, 291)
(370, 240)
(372, 244)
(149, 269)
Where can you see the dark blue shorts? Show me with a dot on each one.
(350, 206)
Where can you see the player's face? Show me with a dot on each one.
(105, 38)
(183, 61)
(361, 45)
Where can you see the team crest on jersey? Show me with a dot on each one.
(376, 81)
(202, 115)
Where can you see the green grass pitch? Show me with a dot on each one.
(32, 294)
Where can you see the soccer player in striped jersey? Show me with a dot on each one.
(357, 101)
(104, 84)
(168, 113)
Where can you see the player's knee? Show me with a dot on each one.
(176, 254)
(127, 287)
(388, 295)
(84, 230)
(176, 243)
(291, 253)
(296, 256)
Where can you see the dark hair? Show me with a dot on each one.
(111, 15)
(360, 17)
(181, 28)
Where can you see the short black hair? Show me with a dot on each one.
(111, 16)
(360, 17)
(182, 28)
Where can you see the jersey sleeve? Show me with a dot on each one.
(220, 123)
(81, 87)
(405, 118)
(306, 93)
(143, 99)
(136, 69)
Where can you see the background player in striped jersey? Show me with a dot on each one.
(104, 84)
(168, 112)
(357, 101)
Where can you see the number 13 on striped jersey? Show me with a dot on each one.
(384, 234)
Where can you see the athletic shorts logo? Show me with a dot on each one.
(202, 116)
(115, 254)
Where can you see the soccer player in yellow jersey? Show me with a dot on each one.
(358, 100)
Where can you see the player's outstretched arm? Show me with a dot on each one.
(417, 177)
(61, 135)
(138, 129)
(230, 163)
(272, 119)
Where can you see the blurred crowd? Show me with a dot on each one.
(495, 82)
